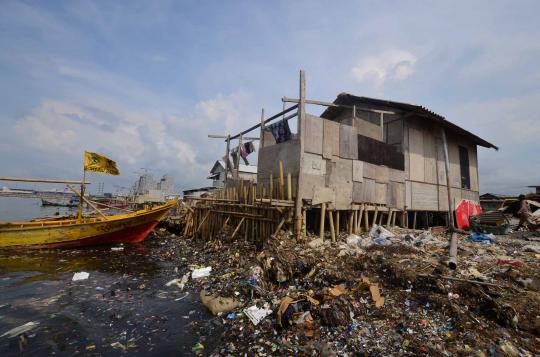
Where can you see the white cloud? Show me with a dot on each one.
(390, 65)
(231, 110)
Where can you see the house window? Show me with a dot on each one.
(464, 168)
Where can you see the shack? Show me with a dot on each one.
(218, 173)
(362, 161)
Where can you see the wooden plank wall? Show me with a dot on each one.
(427, 173)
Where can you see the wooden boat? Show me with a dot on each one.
(123, 228)
(45, 202)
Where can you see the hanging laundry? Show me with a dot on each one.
(234, 155)
(281, 131)
(244, 154)
(249, 147)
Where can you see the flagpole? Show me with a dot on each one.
(79, 215)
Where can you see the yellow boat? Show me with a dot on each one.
(123, 228)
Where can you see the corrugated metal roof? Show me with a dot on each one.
(347, 99)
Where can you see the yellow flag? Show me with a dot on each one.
(99, 163)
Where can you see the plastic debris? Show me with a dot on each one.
(179, 282)
(257, 314)
(380, 232)
(21, 329)
(481, 238)
(80, 276)
(201, 273)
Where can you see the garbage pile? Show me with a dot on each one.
(386, 292)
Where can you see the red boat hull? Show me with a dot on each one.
(130, 235)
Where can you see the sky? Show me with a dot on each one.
(145, 82)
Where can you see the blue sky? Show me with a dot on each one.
(145, 82)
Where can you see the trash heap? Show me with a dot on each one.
(387, 292)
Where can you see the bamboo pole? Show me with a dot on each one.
(281, 181)
(321, 227)
(337, 223)
(271, 187)
(202, 222)
(279, 226)
(289, 186)
(69, 182)
(331, 221)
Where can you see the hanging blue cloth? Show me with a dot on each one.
(281, 131)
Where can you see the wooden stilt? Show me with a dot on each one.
(321, 226)
(389, 218)
(331, 221)
(375, 215)
(414, 220)
(366, 219)
(337, 223)
(359, 224)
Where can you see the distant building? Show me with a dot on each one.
(166, 185)
(146, 189)
(218, 175)
(537, 188)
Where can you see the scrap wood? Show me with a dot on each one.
(373, 288)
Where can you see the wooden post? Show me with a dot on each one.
(414, 221)
(321, 227)
(448, 183)
(301, 116)
(331, 221)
